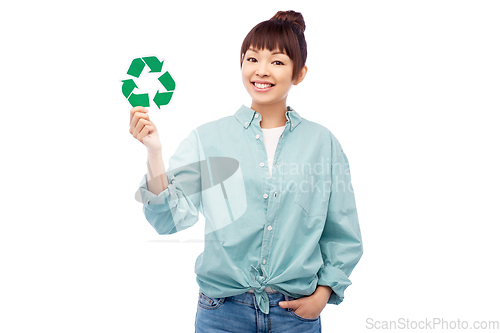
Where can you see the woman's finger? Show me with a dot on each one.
(140, 126)
(136, 109)
(143, 133)
(138, 116)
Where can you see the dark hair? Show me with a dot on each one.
(285, 32)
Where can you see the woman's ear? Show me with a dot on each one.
(302, 75)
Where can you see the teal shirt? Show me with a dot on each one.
(292, 231)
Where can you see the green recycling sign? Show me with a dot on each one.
(136, 98)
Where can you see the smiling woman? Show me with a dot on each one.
(280, 242)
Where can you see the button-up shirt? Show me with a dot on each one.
(292, 230)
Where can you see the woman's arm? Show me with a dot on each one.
(340, 243)
(157, 178)
(146, 132)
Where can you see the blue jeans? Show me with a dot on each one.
(241, 314)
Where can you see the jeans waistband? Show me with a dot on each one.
(268, 290)
(249, 298)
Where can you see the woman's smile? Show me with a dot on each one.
(262, 86)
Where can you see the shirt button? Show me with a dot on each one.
(265, 195)
(275, 193)
(278, 164)
(264, 261)
(269, 228)
(256, 115)
(257, 136)
(261, 164)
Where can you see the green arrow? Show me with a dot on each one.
(167, 81)
(162, 98)
(153, 63)
(136, 67)
(139, 100)
(128, 87)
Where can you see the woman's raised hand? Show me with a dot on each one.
(143, 129)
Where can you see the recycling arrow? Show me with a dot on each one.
(139, 100)
(167, 81)
(153, 63)
(136, 69)
(162, 98)
(128, 87)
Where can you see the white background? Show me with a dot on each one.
(410, 89)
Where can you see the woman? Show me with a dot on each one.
(281, 227)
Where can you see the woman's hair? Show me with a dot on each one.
(285, 32)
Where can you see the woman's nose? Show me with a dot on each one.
(263, 70)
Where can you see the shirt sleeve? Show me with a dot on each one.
(340, 243)
(178, 206)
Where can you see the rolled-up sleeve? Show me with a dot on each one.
(178, 206)
(340, 243)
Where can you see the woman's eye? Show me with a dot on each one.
(252, 59)
(279, 62)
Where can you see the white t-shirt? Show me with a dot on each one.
(271, 138)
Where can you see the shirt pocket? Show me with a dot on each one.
(313, 194)
(209, 303)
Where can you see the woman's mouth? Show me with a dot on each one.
(262, 87)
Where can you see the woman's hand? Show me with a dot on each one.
(143, 129)
(309, 307)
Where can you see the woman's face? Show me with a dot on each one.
(267, 75)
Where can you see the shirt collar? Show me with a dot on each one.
(246, 115)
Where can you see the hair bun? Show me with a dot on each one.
(292, 17)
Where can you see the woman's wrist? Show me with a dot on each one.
(154, 152)
(323, 292)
